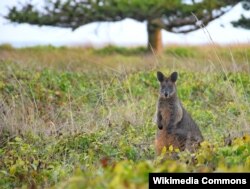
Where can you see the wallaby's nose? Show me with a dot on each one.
(166, 94)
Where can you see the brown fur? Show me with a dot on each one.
(175, 125)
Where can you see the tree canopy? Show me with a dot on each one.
(243, 21)
(172, 15)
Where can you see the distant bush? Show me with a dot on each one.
(44, 48)
(108, 50)
(6, 46)
(183, 52)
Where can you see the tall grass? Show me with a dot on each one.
(49, 89)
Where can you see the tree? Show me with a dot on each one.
(243, 21)
(177, 16)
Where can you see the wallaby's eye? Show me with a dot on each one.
(174, 76)
(160, 76)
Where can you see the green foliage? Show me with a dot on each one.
(243, 22)
(27, 161)
(6, 47)
(73, 14)
(109, 50)
(183, 52)
(33, 161)
(79, 125)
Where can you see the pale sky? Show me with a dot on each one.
(124, 33)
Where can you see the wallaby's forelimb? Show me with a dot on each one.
(159, 120)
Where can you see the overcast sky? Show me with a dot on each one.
(124, 33)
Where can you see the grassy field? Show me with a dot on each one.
(83, 118)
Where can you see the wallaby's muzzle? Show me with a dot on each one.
(166, 94)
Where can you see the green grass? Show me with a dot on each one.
(83, 118)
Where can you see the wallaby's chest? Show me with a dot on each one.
(170, 109)
(165, 111)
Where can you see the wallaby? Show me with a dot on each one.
(175, 125)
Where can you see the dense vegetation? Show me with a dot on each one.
(83, 118)
(171, 15)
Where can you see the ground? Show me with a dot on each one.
(79, 117)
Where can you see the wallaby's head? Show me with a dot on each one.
(167, 84)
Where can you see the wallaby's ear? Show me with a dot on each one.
(174, 76)
(160, 76)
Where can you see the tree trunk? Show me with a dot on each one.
(154, 38)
